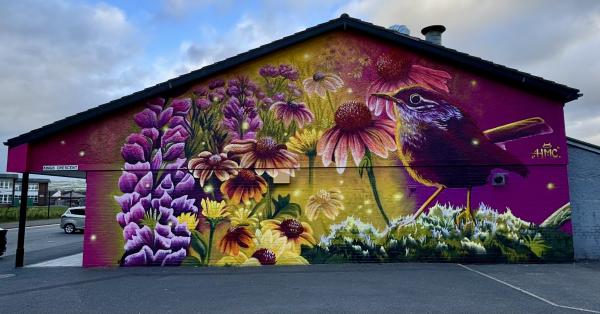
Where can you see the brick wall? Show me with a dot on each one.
(584, 182)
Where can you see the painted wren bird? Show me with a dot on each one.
(440, 145)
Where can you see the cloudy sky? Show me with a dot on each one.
(60, 57)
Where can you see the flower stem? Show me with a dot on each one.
(311, 165)
(210, 241)
(373, 182)
(330, 102)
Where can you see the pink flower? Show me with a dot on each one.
(395, 72)
(356, 129)
(206, 164)
(289, 111)
(264, 155)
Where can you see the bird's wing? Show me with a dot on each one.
(517, 130)
(475, 148)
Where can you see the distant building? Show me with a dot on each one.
(67, 198)
(10, 190)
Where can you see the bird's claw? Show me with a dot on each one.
(465, 219)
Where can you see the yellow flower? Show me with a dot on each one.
(189, 219)
(329, 202)
(270, 249)
(297, 233)
(304, 141)
(214, 209)
(241, 217)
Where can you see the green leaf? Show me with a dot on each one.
(198, 245)
(191, 261)
(292, 210)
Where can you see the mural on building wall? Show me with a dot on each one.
(370, 139)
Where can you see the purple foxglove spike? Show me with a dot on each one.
(165, 200)
(164, 117)
(178, 164)
(181, 230)
(177, 121)
(157, 102)
(161, 242)
(174, 151)
(216, 83)
(146, 119)
(165, 186)
(163, 231)
(139, 168)
(174, 135)
(133, 153)
(181, 106)
(144, 186)
(127, 200)
(140, 238)
(174, 259)
(130, 230)
(127, 182)
(151, 133)
(178, 243)
(145, 202)
(121, 219)
(136, 213)
(142, 141)
(185, 186)
(165, 214)
(138, 258)
(202, 103)
(179, 175)
(159, 257)
(157, 160)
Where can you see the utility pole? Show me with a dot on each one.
(22, 220)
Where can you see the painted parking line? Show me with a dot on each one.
(33, 227)
(531, 294)
(74, 260)
(2, 276)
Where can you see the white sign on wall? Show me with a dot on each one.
(60, 167)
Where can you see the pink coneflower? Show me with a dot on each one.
(289, 111)
(394, 72)
(264, 155)
(206, 163)
(356, 129)
(320, 83)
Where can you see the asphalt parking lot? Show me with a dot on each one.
(355, 288)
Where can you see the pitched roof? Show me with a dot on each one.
(344, 22)
(583, 145)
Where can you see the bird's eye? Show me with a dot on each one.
(415, 99)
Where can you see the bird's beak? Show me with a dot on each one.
(388, 97)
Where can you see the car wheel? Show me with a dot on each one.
(69, 228)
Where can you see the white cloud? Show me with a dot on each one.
(61, 58)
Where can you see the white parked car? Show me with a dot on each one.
(73, 219)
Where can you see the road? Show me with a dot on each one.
(42, 243)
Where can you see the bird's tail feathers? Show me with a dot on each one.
(518, 130)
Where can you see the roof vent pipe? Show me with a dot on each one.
(402, 29)
(433, 33)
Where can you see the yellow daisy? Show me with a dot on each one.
(189, 219)
(213, 209)
(304, 141)
(241, 217)
(270, 249)
(297, 233)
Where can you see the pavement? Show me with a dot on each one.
(342, 288)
